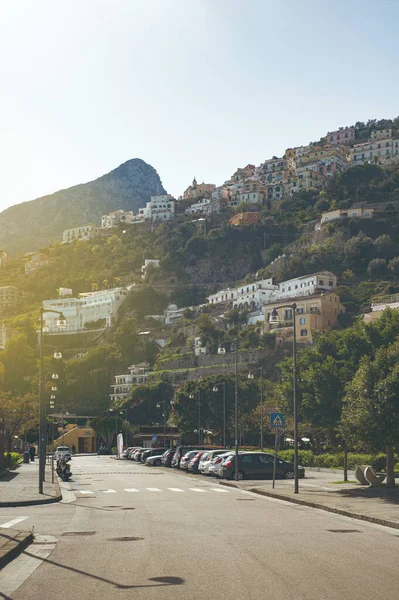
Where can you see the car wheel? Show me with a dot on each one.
(157, 463)
(289, 475)
(240, 476)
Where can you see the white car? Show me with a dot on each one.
(216, 463)
(62, 452)
(186, 459)
(206, 459)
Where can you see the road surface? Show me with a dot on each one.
(148, 533)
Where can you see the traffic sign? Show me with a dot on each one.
(154, 438)
(277, 419)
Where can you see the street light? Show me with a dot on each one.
(222, 350)
(251, 376)
(274, 318)
(216, 389)
(61, 323)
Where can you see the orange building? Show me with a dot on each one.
(246, 218)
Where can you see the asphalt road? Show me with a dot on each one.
(158, 534)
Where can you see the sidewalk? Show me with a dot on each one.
(20, 487)
(12, 543)
(374, 504)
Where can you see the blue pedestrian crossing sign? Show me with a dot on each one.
(154, 439)
(277, 419)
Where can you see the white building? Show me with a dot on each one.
(123, 383)
(115, 217)
(254, 295)
(87, 308)
(160, 208)
(375, 150)
(204, 206)
(147, 263)
(84, 232)
(307, 285)
(228, 295)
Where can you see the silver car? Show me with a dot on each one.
(185, 459)
(206, 460)
(216, 463)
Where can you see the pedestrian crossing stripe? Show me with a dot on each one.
(152, 489)
(14, 522)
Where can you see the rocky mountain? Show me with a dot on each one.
(33, 225)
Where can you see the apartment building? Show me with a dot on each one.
(254, 295)
(124, 383)
(306, 285)
(377, 150)
(84, 232)
(10, 297)
(88, 308)
(34, 261)
(343, 136)
(348, 213)
(317, 312)
(159, 208)
(115, 217)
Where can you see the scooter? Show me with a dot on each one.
(63, 469)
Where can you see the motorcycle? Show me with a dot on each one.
(63, 469)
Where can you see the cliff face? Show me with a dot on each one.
(33, 225)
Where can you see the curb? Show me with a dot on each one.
(51, 500)
(16, 549)
(331, 509)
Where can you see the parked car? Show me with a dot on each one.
(180, 451)
(217, 461)
(186, 459)
(62, 452)
(206, 459)
(150, 452)
(127, 452)
(132, 453)
(167, 456)
(254, 465)
(194, 462)
(137, 452)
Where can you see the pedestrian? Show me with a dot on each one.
(32, 452)
(73, 449)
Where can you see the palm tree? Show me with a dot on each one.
(105, 284)
(94, 286)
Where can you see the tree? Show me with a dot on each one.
(385, 247)
(107, 428)
(371, 406)
(377, 268)
(21, 413)
(358, 250)
(394, 266)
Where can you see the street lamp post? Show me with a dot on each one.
(199, 414)
(222, 350)
(216, 389)
(61, 322)
(274, 318)
(251, 376)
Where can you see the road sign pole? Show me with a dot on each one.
(275, 455)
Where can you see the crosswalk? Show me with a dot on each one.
(151, 490)
(13, 522)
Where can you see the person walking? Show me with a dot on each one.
(32, 452)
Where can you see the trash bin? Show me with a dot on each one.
(26, 457)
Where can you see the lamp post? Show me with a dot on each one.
(216, 389)
(124, 410)
(61, 322)
(164, 418)
(199, 414)
(251, 376)
(274, 318)
(222, 350)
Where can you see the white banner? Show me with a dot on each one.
(119, 445)
(64, 292)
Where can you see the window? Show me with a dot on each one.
(302, 321)
(296, 287)
(313, 309)
(288, 314)
(331, 283)
(304, 332)
(321, 281)
(299, 311)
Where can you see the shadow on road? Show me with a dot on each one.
(389, 495)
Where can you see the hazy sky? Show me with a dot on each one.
(193, 87)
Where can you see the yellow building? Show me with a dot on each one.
(79, 439)
(313, 312)
(198, 190)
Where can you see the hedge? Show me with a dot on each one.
(335, 461)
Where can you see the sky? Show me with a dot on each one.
(193, 87)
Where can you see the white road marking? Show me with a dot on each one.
(220, 490)
(153, 489)
(13, 522)
(131, 490)
(86, 492)
(175, 490)
(109, 491)
(196, 490)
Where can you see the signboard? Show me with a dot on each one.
(119, 445)
(277, 419)
(154, 439)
